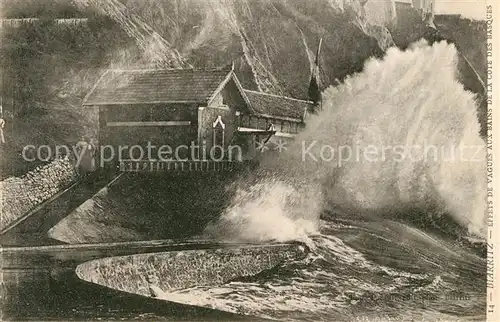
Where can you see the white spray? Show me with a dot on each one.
(404, 132)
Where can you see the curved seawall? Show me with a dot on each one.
(40, 284)
(160, 274)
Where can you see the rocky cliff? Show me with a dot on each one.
(48, 66)
(271, 42)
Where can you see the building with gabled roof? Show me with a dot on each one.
(156, 86)
(190, 113)
(275, 106)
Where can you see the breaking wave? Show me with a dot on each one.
(268, 210)
(401, 134)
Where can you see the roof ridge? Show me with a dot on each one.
(204, 84)
(280, 96)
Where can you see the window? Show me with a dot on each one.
(279, 126)
(218, 138)
(286, 127)
(245, 121)
(262, 124)
(252, 121)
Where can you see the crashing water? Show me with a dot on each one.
(405, 141)
(352, 154)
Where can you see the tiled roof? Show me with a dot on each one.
(278, 106)
(155, 86)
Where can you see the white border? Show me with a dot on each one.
(493, 237)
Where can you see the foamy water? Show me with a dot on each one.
(269, 210)
(365, 262)
(403, 133)
(363, 267)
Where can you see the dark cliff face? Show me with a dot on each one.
(49, 67)
(271, 42)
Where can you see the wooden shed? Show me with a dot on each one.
(195, 117)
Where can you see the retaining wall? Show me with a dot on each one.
(19, 195)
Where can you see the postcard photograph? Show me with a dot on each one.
(247, 160)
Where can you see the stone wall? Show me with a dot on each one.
(18, 195)
(171, 271)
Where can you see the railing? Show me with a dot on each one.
(284, 127)
(178, 166)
